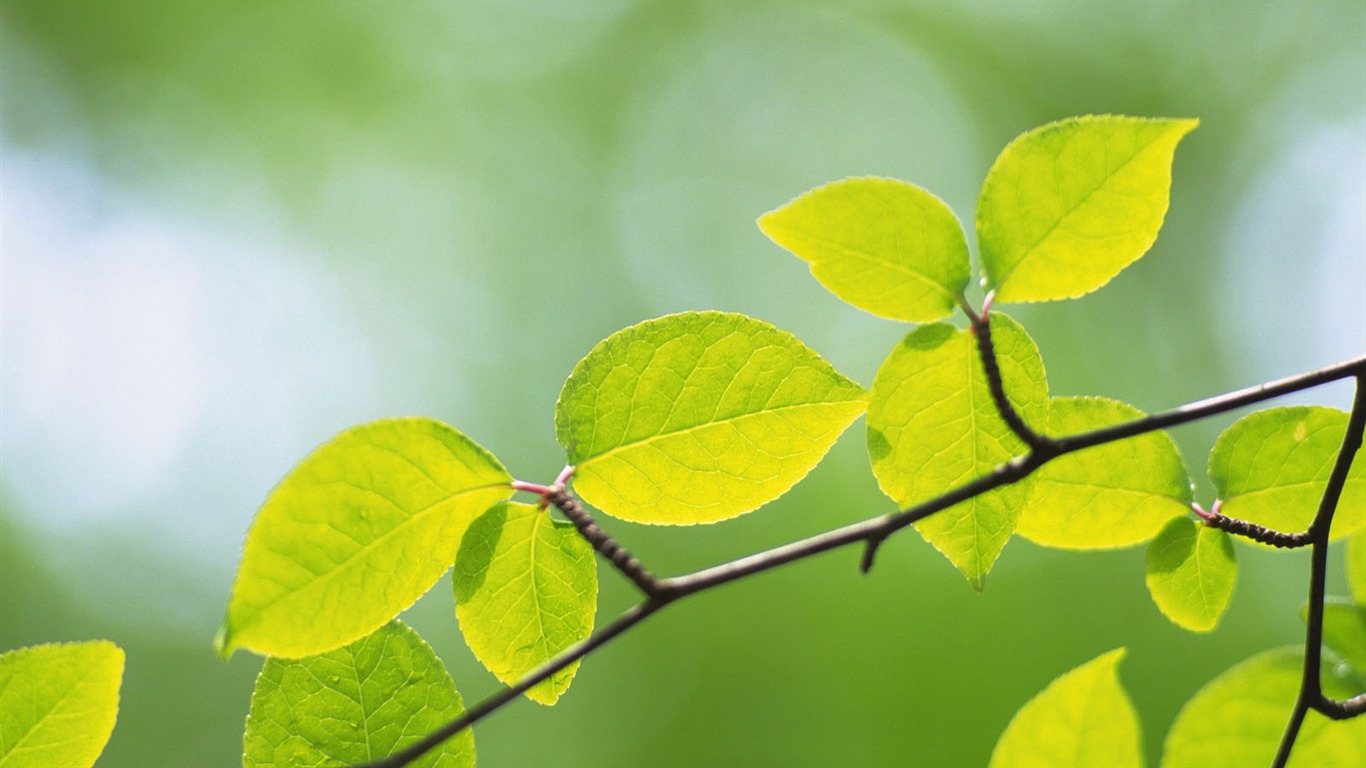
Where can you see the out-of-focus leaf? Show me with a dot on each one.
(1356, 567)
(1344, 630)
(1271, 467)
(1084, 718)
(356, 533)
(526, 588)
(1237, 719)
(1068, 205)
(932, 425)
(1191, 571)
(355, 704)
(58, 703)
(885, 246)
(699, 417)
(1113, 495)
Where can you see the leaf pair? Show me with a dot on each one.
(1064, 209)
(1085, 718)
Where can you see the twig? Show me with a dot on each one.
(608, 547)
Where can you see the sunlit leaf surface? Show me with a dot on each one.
(355, 534)
(1190, 572)
(58, 703)
(699, 417)
(1082, 719)
(526, 588)
(1271, 467)
(1237, 720)
(883, 245)
(1114, 495)
(1069, 205)
(354, 705)
(932, 425)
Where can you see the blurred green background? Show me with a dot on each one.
(231, 230)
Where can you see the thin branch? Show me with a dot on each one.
(608, 547)
(874, 530)
(981, 328)
(1256, 532)
(1343, 710)
(1311, 686)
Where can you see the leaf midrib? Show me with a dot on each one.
(696, 427)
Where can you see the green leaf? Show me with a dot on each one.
(355, 534)
(1113, 495)
(1355, 555)
(1067, 206)
(1344, 629)
(1237, 719)
(526, 588)
(1191, 571)
(355, 705)
(1083, 719)
(932, 426)
(1271, 467)
(885, 246)
(699, 417)
(58, 703)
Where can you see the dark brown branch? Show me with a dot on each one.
(1256, 532)
(1342, 710)
(608, 547)
(1310, 695)
(870, 532)
(1038, 443)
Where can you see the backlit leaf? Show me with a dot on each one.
(355, 704)
(1344, 629)
(1271, 467)
(932, 426)
(58, 703)
(885, 246)
(1113, 495)
(1238, 718)
(1082, 719)
(355, 534)
(1355, 556)
(1067, 206)
(699, 417)
(1191, 571)
(526, 588)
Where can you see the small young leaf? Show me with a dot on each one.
(526, 588)
(1344, 629)
(885, 246)
(932, 425)
(1355, 556)
(58, 703)
(1113, 495)
(355, 534)
(1238, 718)
(355, 705)
(1082, 719)
(699, 417)
(1067, 206)
(1271, 467)
(1191, 571)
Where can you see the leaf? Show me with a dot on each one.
(1068, 205)
(526, 588)
(1191, 571)
(58, 703)
(1344, 629)
(932, 426)
(1083, 718)
(355, 534)
(699, 417)
(1355, 555)
(1237, 719)
(355, 705)
(885, 246)
(1271, 467)
(1113, 495)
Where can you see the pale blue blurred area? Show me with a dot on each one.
(230, 230)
